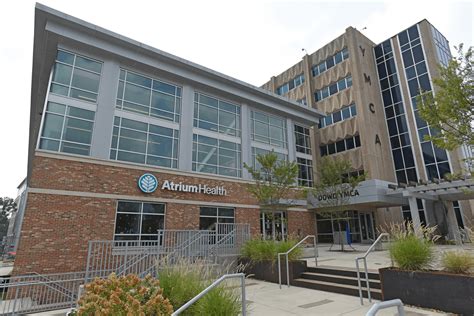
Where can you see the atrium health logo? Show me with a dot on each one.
(148, 183)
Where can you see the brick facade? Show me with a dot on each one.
(71, 202)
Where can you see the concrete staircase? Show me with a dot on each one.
(338, 280)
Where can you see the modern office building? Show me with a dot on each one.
(368, 93)
(126, 139)
(108, 112)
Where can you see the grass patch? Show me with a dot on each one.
(267, 250)
(183, 281)
(412, 253)
(459, 262)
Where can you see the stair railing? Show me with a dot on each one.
(381, 305)
(213, 285)
(286, 257)
(364, 258)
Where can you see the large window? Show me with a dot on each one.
(302, 140)
(305, 172)
(144, 143)
(209, 217)
(141, 94)
(435, 159)
(260, 152)
(333, 88)
(216, 115)
(139, 221)
(211, 155)
(268, 129)
(290, 85)
(395, 115)
(340, 146)
(67, 129)
(340, 115)
(76, 76)
(330, 62)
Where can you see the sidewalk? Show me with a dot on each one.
(267, 299)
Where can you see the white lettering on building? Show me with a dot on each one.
(201, 188)
(324, 197)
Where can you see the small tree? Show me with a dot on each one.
(7, 208)
(335, 183)
(274, 180)
(451, 109)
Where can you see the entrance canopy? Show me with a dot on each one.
(368, 194)
(440, 190)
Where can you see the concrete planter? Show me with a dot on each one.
(430, 289)
(268, 270)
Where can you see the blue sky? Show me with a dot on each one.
(248, 40)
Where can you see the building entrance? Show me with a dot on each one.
(367, 231)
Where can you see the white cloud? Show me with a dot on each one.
(249, 40)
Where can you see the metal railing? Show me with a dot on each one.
(382, 305)
(39, 293)
(288, 264)
(364, 258)
(213, 285)
(171, 246)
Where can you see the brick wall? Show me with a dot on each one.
(56, 228)
(301, 224)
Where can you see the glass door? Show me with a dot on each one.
(273, 225)
(366, 222)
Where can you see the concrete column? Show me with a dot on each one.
(104, 117)
(246, 140)
(415, 215)
(186, 129)
(290, 134)
(453, 228)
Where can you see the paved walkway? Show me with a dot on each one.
(375, 260)
(267, 299)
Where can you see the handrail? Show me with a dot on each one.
(213, 285)
(381, 305)
(364, 257)
(287, 263)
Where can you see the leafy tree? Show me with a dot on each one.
(7, 208)
(274, 180)
(451, 109)
(336, 181)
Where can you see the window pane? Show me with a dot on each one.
(49, 144)
(85, 80)
(127, 224)
(62, 74)
(88, 64)
(65, 57)
(152, 223)
(208, 211)
(137, 94)
(52, 126)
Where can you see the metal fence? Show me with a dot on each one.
(38, 293)
(142, 256)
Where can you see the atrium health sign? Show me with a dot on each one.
(148, 183)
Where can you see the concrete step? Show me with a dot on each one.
(343, 272)
(336, 288)
(340, 279)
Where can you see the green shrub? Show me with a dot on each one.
(183, 281)
(460, 262)
(412, 253)
(219, 302)
(126, 295)
(262, 250)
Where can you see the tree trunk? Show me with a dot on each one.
(341, 241)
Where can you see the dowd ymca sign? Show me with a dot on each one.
(148, 183)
